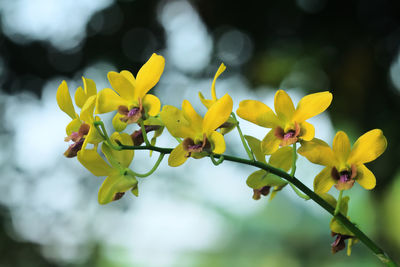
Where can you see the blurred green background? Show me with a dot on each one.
(196, 215)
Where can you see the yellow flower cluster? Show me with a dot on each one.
(199, 136)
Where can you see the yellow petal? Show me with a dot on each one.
(258, 113)
(284, 107)
(307, 131)
(89, 86)
(118, 125)
(93, 136)
(149, 75)
(195, 120)
(119, 158)
(81, 95)
(217, 114)
(113, 185)
(73, 126)
(177, 156)
(318, 152)
(122, 85)
(176, 123)
(151, 104)
(125, 157)
(64, 100)
(335, 225)
(368, 147)
(206, 102)
(312, 105)
(282, 158)
(341, 147)
(129, 76)
(218, 142)
(323, 181)
(261, 178)
(92, 161)
(255, 146)
(365, 177)
(88, 109)
(270, 143)
(220, 70)
(108, 100)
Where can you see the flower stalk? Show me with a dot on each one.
(337, 209)
(144, 175)
(246, 147)
(300, 186)
(144, 133)
(99, 125)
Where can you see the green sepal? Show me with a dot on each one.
(261, 178)
(118, 125)
(335, 225)
(135, 191)
(255, 146)
(350, 243)
(231, 123)
(282, 158)
(73, 126)
(114, 185)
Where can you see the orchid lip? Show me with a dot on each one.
(345, 179)
(73, 149)
(137, 136)
(133, 112)
(339, 243)
(190, 146)
(289, 137)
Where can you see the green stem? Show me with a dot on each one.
(337, 209)
(103, 133)
(316, 198)
(293, 171)
(246, 147)
(216, 162)
(160, 158)
(146, 140)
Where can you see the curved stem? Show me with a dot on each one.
(293, 171)
(103, 133)
(160, 158)
(144, 133)
(246, 147)
(292, 179)
(216, 162)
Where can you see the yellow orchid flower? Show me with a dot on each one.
(199, 133)
(344, 165)
(80, 130)
(289, 123)
(229, 125)
(119, 178)
(130, 97)
(262, 181)
(337, 228)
